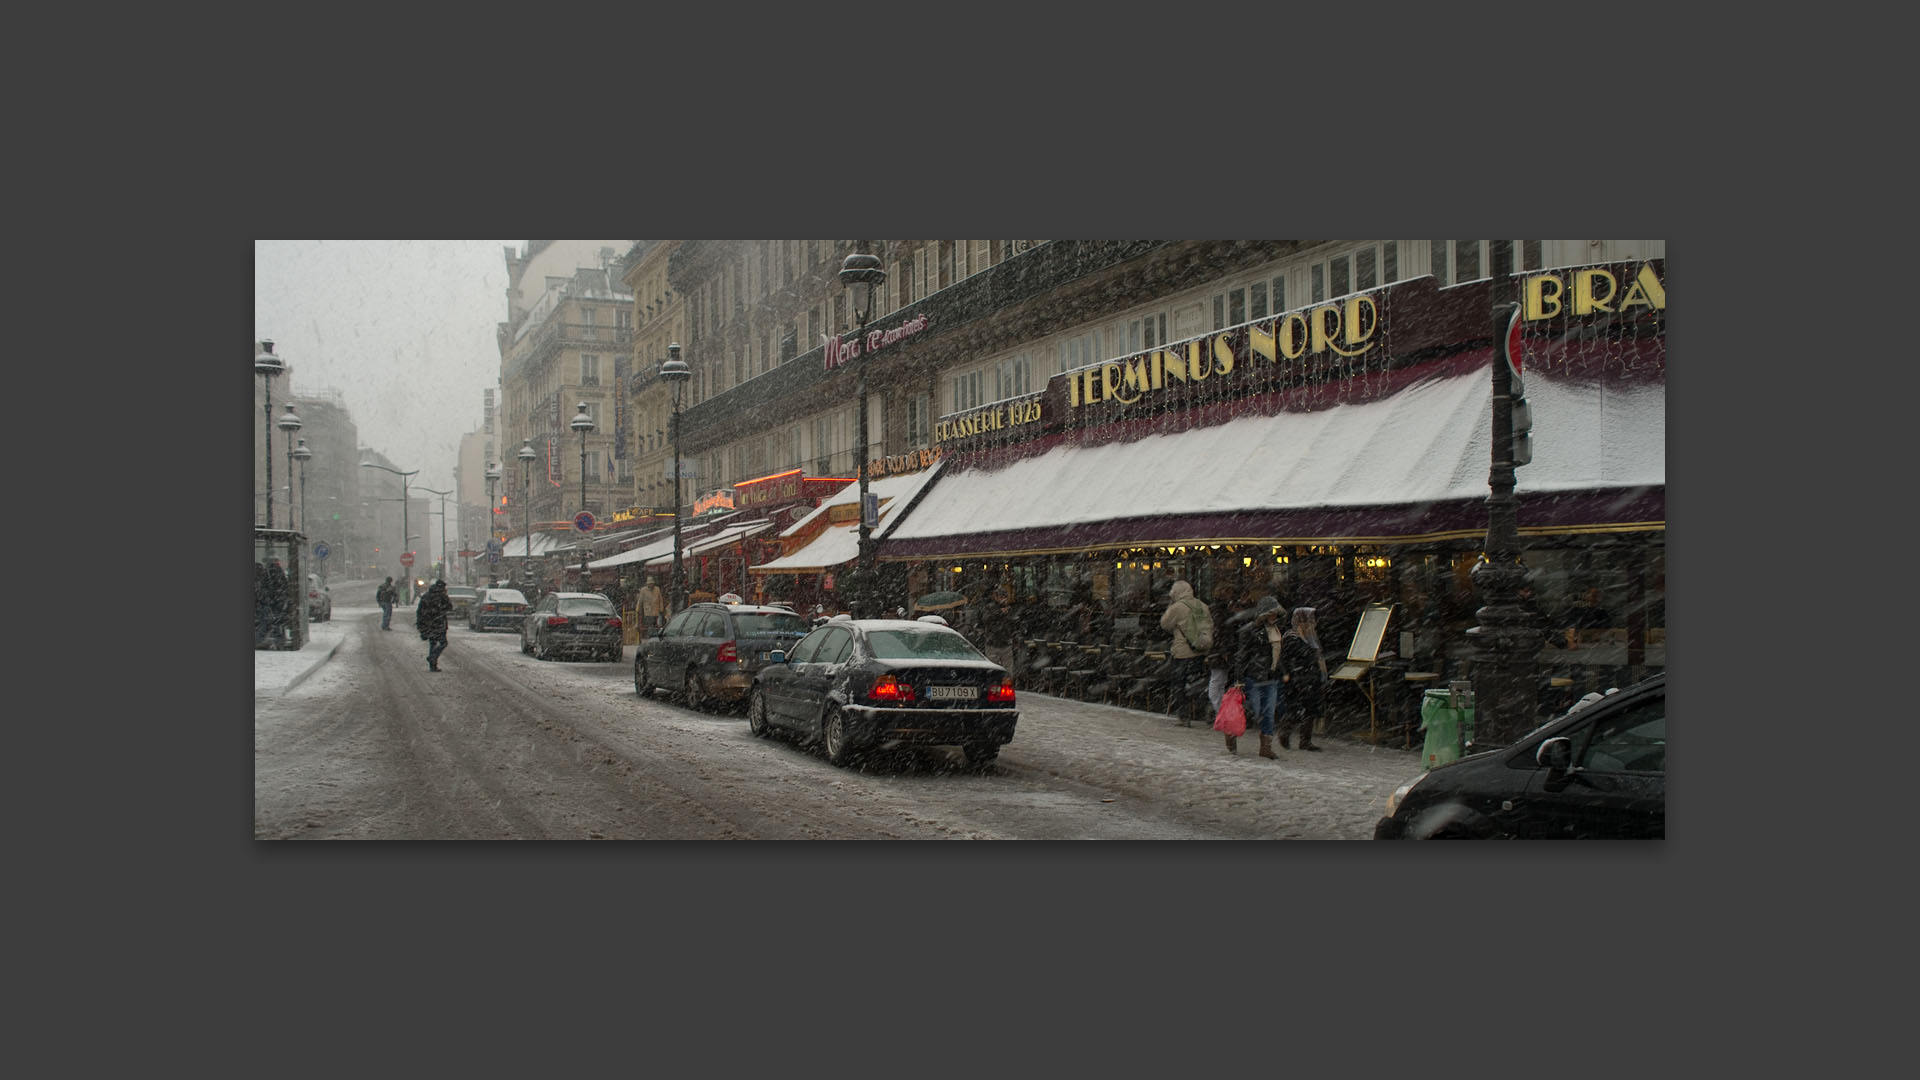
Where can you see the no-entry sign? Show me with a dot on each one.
(406, 558)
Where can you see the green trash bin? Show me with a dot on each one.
(1448, 729)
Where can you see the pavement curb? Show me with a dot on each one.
(313, 667)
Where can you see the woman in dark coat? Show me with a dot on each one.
(1254, 647)
(1303, 678)
(431, 617)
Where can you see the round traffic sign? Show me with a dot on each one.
(583, 521)
(320, 550)
(406, 558)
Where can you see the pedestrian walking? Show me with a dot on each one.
(431, 618)
(1256, 668)
(1220, 657)
(1188, 620)
(277, 607)
(1303, 678)
(653, 604)
(386, 596)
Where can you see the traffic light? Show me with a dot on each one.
(1522, 413)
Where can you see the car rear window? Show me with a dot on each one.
(585, 605)
(926, 644)
(757, 624)
(505, 596)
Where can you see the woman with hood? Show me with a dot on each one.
(1191, 624)
(1303, 678)
(1256, 669)
(431, 617)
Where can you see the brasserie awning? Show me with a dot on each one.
(1406, 468)
(838, 545)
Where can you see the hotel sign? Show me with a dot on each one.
(839, 352)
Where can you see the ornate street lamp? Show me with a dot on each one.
(676, 372)
(526, 503)
(267, 365)
(493, 477)
(862, 276)
(302, 455)
(583, 424)
(289, 423)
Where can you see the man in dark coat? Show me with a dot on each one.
(386, 596)
(276, 587)
(431, 617)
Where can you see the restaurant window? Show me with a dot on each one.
(1339, 275)
(1257, 300)
(969, 389)
(919, 421)
(1437, 262)
(1364, 276)
(1318, 275)
(589, 369)
(1466, 260)
(1147, 332)
(1390, 262)
(1530, 258)
(1013, 377)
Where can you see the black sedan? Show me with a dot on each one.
(859, 684)
(565, 623)
(1600, 771)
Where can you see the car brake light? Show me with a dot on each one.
(890, 688)
(1003, 692)
(613, 622)
(486, 607)
(556, 620)
(729, 653)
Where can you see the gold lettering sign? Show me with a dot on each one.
(1594, 290)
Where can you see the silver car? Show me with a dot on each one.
(497, 609)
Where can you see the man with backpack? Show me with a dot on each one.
(386, 595)
(1191, 625)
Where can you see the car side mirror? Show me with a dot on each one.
(1556, 754)
(777, 656)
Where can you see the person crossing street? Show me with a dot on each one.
(431, 617)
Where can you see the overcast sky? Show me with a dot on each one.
(403, 329)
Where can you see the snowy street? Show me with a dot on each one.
(354, 738)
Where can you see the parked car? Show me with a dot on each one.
(319, 600)
(463, 597)
(498, 609)
(710, 651)
(859, 684)
(1598, 771)
(572, 622)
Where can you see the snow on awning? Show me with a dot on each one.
(1404, 468)
(727, 536)
(634, 555)
(838, 545)
(543, 544)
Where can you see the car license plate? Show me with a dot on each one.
(952, 693)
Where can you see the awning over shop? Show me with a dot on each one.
(724, 537)
(840, 544)
(633, 555)
(1405, 468)
(544, 543)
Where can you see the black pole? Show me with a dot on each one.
(1505, 687)
(863, 584)
(267, 381)
(679, 598)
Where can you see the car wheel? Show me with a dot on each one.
(642, 685)
(834, 741)
(981, 755)
(696, 692)
(757, 715)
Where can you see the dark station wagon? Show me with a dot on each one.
(1597, 772)
(569, 623)
(861, 684)
(497, 609)
(709, 652)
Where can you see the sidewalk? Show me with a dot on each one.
(277, 672)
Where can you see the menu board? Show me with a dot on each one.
(1371, 632)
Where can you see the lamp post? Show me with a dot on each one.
(583, 424)
(443, 528)
(404, 529)
(676, 372)
(1506, 690)
(862, 276)
(302, 455)
(526, 503)
(267, 365)
(493, 477)
(289, 423)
